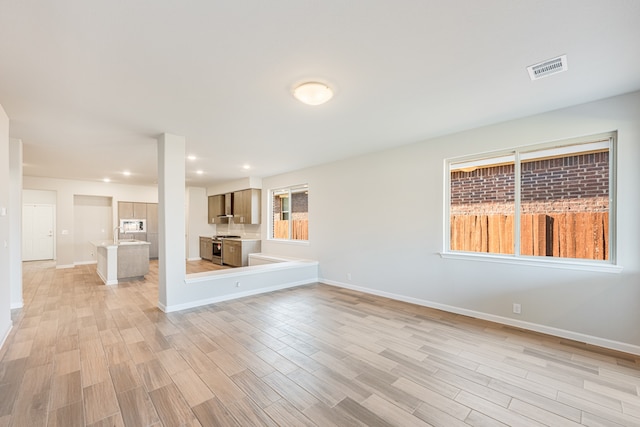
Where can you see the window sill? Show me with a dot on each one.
(290, 242)
(568, 264)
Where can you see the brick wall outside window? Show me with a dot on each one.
(564, 208)
(574, 183)
(300, 208)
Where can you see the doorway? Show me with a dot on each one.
(38, 232)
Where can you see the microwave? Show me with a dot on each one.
(133, 225)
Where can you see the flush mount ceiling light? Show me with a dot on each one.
(313, 93)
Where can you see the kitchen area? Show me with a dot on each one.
(237, 217)
(135, 242)
(227, 227)
(233, 231)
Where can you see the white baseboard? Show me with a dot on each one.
(15, 305)
(104, 279)
(6, 335)
(549, 330)
(61, 266)
(85, 262)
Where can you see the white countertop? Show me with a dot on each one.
(123, 242)
(244, 239)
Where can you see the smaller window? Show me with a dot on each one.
(289, 213)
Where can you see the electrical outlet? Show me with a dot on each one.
(517, 308)
(237, 284)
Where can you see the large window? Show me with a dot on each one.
(289, 213)
(550, 200)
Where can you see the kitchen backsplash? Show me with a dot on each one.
(248, 231)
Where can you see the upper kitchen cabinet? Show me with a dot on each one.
(152, 217)
(139, 210)
(125, 210)
(132, 210)
(246, 206)
(217, 210)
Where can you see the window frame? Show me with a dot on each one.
(285, 212)
(516, 153)
(270, 229)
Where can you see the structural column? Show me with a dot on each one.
(171, 219)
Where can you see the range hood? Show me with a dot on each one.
(228, 206)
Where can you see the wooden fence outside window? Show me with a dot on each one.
(299, 229)
(581, 235)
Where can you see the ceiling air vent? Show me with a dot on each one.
(548, 67)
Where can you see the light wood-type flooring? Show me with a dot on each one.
(85, 354)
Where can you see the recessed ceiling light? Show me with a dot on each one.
(126, 173)
(191, 157)
(246, 166)
(106, 180)
(199, 172)
(313, 93)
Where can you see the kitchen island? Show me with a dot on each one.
(121, 261)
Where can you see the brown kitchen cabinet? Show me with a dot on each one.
(152, 238)
(216, 209)
(232, 252)
(132, 210)
(125, 210)
(235, 252)
(206, 248)
(146, 211)
(152, 229)
(246, 206)
(139, 210)
(152, 217)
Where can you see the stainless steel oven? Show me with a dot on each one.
(217, 247)
(217, 251)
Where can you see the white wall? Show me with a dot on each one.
(92, 221)
(66, 190)
(379, 219)
(5, 186)
(196, 218)
(39, 197)
(235, 185)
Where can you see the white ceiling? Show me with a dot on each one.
(89, 85)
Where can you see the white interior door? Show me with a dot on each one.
(37, 232)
